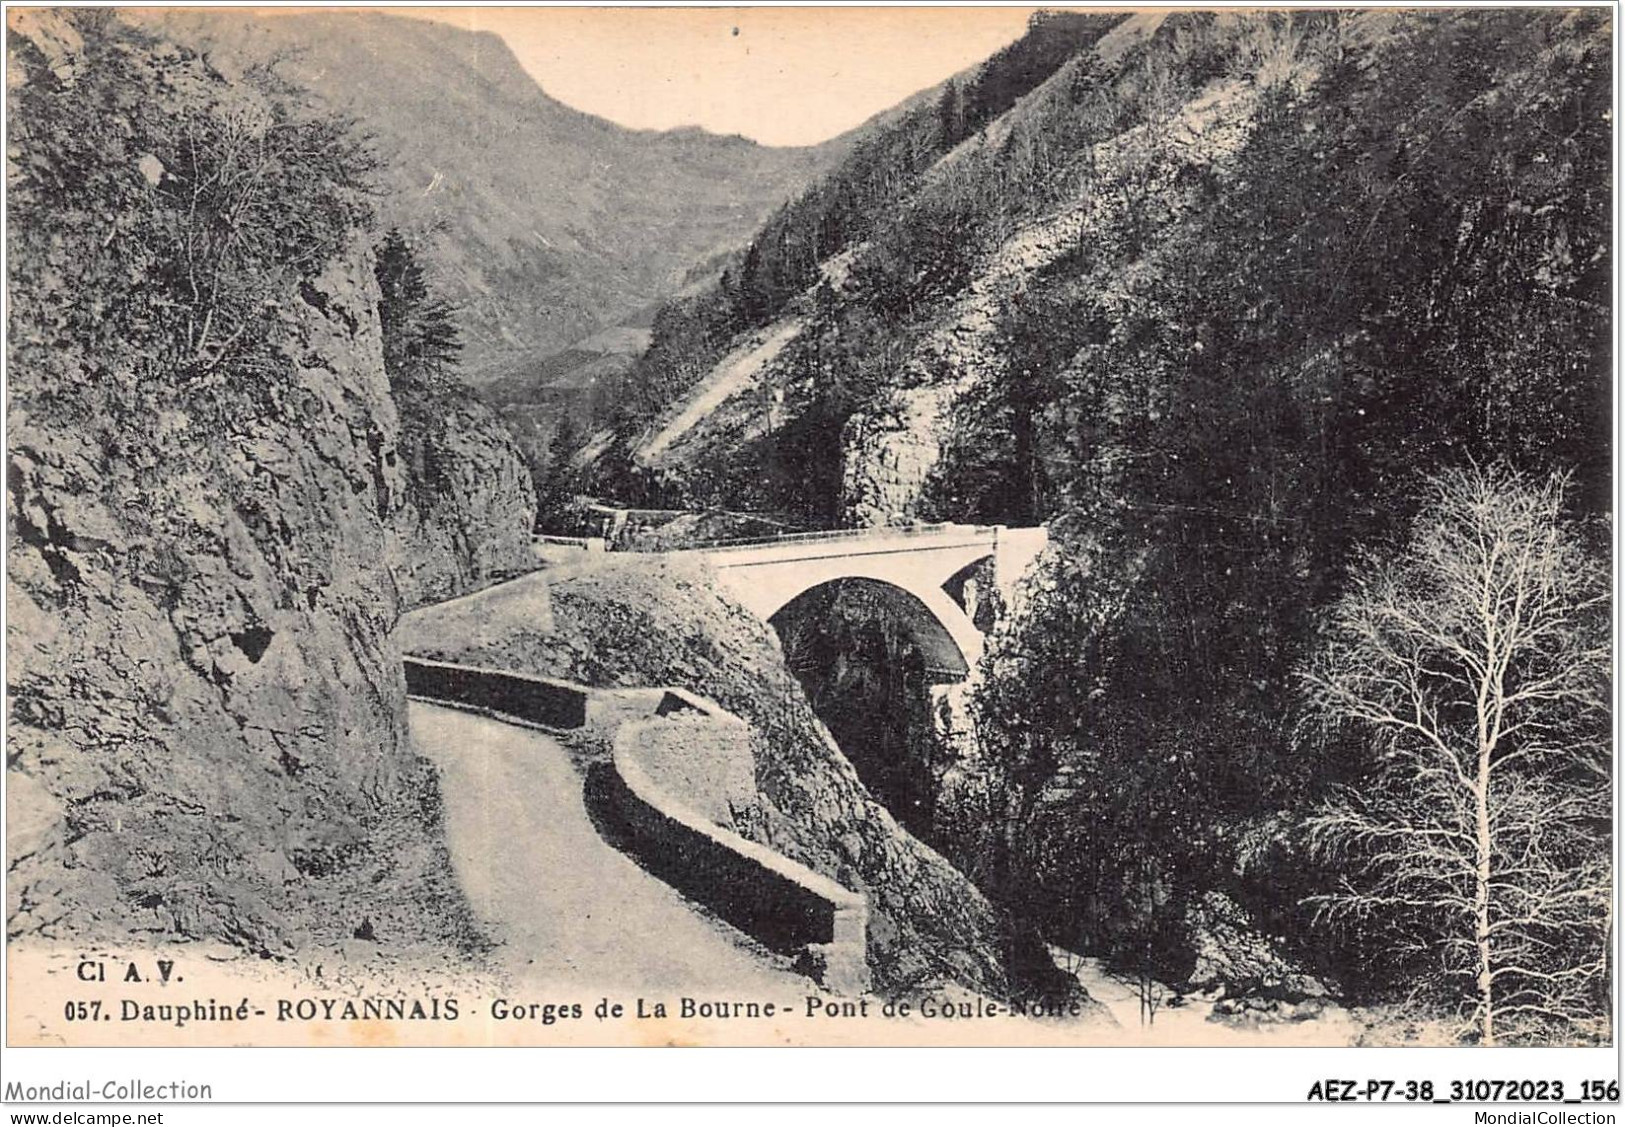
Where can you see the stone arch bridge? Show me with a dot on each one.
(924, 572)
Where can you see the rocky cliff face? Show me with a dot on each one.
(207, 711)
(470, 501)
(206, 708)
(625, 623)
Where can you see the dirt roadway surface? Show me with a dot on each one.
(568, 908)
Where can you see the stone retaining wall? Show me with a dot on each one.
(781, 902)
(679, 765)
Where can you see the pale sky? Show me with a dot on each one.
(782, 76)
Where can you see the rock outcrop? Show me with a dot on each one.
(207, 713)
(1233, 958)
(203, 692)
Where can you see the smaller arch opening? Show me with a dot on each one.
(973, 590)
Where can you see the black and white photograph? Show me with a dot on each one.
(811, 527)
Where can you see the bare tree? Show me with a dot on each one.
(1475, 668)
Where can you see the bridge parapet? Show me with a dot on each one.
(837, 535)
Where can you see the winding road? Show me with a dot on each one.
(567, 907)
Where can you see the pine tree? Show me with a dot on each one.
(951, 115)
(420, 336)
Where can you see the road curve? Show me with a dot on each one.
(567, 907)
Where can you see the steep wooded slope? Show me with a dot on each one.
(1212, 299)
(1103, 178)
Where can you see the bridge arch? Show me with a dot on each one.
(915, 563)
(947, 641)
(871, 658)
(882, 673)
